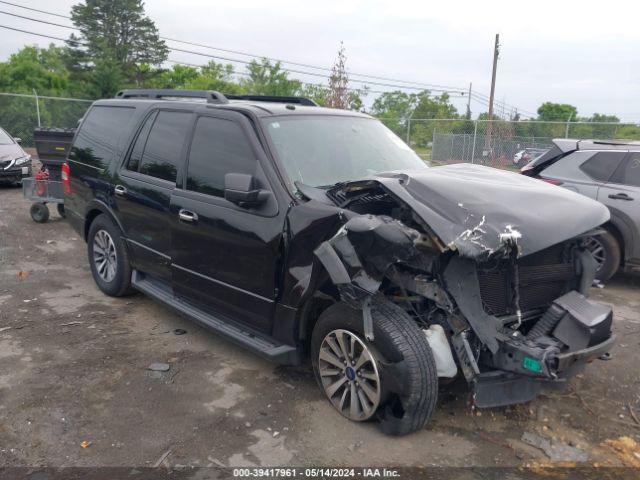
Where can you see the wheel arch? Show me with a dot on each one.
(95, 208)
(614, 230)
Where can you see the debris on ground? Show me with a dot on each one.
(162, 458)
(85, 444)
(71, 324)
(159, 367)
(22, 275)
(179, 331)
(626, 449)
(555, 450)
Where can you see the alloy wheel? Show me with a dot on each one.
(349, 375)
(104, 255)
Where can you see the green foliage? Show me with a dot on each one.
(117, 42)
(557, 112)
(266, 78)
(397, 108)
(42, 69)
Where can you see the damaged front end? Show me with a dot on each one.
(508, 287)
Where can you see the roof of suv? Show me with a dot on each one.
(260, 105)
(569, 145)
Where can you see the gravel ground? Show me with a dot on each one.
(74, 368)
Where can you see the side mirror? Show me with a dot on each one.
(17, 139)
(242, 189)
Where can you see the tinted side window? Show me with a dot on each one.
(602, 165)
(138, 147)
(161, 156)
(219, 147)
(631, 175)
(100, 132)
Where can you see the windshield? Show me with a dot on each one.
(5, 139)
(321, 151)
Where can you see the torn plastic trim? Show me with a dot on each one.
(461, 279)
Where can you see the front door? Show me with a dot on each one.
(622, 196)
(225, 257)
(143, 189)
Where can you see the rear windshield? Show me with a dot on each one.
(322, 150)
(100, 132)
(5, 139)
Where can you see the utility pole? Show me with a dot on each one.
(469, 102)
(496, 53)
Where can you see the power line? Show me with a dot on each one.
(35, 10)
(403, 84)
(226, 59)
(37, 20)
(435, 87)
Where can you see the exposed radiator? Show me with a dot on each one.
(543, 277)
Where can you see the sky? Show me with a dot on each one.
(578, 52)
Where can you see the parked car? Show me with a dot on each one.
(300, 231)
(522, 157)
(607, 171)
(15, 163)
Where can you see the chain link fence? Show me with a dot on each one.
(497, 143)
(21, 114)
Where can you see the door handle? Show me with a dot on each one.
(120, 190)
(187, 216)
(620, 196)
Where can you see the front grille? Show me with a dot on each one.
(4, 164)
(543, 277)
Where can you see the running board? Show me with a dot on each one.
(238, 334)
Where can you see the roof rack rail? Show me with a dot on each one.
(274, 99)
(160, 93)
(210, 95)
(614, 142)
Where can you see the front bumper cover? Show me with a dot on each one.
(19, 171)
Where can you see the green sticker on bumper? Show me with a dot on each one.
(532, 364)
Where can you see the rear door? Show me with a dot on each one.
(144, 185)
(622, 196)
(225, 259)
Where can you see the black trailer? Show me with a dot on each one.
(52, 145)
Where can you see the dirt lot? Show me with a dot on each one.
(74, 368)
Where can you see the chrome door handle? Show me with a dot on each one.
(620, 196)
(187, 216)
(120, 190)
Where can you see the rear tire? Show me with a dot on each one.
(607, 252)
(404, 361)
(39, 212)
(108, 258)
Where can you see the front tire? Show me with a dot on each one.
(108, 258)
(398, 379)
(607, 253)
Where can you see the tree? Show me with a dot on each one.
(116, 44)
(557, 112)
(266, 78)
(338, 91)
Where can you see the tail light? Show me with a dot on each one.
(551, 181)
(66, 179)
(526, 170)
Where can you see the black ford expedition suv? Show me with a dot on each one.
(298, 231)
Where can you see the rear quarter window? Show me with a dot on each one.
(601, 166)
(568, 168)
(97, 141)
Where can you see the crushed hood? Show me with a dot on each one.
(479, 210)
